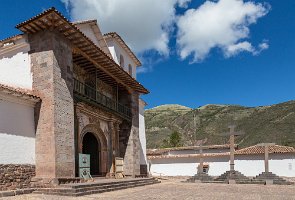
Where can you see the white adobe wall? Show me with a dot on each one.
(17, 133)
(87, 30)
(282, 165)
(142, 136)
(187, 166)
(15, 65)
(116, 50)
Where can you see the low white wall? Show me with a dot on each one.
(17, 133)
(282, 165)
(15, 67)
(187, 166)
(176, 169)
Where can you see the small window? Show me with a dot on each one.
(130, 69)
(121, 61)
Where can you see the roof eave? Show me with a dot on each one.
(130, 81)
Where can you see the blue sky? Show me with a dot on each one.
(247, 77)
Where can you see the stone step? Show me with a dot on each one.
(110, 185)
(86, 189)
(81, 185)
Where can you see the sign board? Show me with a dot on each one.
(84, 166)
(84, 160)
(119, 162)
(85, 173)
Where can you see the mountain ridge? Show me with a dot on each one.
(271, 123)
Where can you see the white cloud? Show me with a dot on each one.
(220, 24)
(143, 24)
(237, 48)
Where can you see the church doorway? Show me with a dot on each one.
(91, 145)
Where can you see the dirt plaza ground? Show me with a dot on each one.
(176, 189)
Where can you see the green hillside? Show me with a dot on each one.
(274, 123)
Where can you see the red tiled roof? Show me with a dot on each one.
(165, 150)
(11, 38)
(83, 45)
(189, 155)
(26, 94)
(260, 150)
(252, 150)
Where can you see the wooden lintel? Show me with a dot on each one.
(27, 29)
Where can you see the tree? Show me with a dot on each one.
(174, 140)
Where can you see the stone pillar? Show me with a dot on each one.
(51, 62)
(110, 148)
(132, 154)
(266, 164)
(232, 152)
(114, 145)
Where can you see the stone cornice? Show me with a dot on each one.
(98, 113)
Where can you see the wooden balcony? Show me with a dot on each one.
(91, 95)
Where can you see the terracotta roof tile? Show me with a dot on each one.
(252, 150)
(27, 94)
(165, 150)
(260, 150)
(188, 155)
(49, 17)
(11, 38)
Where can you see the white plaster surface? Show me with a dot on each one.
(253, 165)
(17, 133)
(15, 68)
(116, 50)
(86, 29)
(142, 136)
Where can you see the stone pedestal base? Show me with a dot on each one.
(200, 177)
(270, 178)
(233, 176)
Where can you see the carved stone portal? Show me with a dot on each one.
(104, 127)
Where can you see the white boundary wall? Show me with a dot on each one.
(17, 132)
(249, 165)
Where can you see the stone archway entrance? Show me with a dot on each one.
(91, 145)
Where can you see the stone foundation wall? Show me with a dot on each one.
(14, 176)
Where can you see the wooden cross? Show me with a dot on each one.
(266, 152)
(232, 135)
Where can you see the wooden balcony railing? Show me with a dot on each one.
(95, 96)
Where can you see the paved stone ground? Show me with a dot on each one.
(175, 189)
